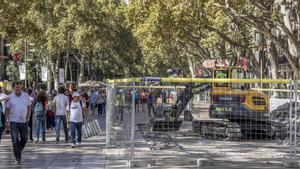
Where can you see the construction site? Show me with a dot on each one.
(226, 121)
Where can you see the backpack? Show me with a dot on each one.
(100, 99)
(39, 110)
(82, 108)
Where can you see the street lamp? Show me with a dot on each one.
(25, 59)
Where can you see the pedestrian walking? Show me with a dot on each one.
(61, 103)
(100, 103)
(76, 119)
(120, 103)
(86, 97)
(150, 103)
(104, 104)
(93, 100)
(85, 109)
(143, 99)
(50, 113)
(2, 120)
(30, 122)
(17, 113)
(39, 113)
(137, 100)
(3, 98)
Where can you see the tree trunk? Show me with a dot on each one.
(271, 56)
(55, 74)
(66, 66)
(191, 66)
(70, 69)
(49, 77)
(81, 73)
(286, 12)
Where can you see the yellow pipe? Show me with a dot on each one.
(219, 80)
(206, 80)
(153, 87)
(127, 80)
(273, 90)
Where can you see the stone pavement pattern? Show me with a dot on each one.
(90, 155)
(50, 155)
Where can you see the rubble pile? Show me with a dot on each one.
(158, 145)
(161, 141)
(282, 115)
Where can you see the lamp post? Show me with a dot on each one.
(25, 59)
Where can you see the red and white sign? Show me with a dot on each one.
(209, 64)
(17, 58)
(215, 63)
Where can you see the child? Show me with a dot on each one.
(76, 118)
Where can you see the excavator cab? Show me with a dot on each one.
(238, 104)
(233, 73)
(236, 100)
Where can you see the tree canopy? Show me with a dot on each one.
(112, 39)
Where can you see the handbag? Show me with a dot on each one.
(90, 129)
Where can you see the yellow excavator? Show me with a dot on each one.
(236, 100)
(246, 110)
(235, 112)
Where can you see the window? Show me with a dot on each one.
(221, 74)
(237, 74)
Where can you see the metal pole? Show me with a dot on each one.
(25, 59)
(108, 112)
(132, 120)
(291, 109)
(261, 72)
(295, 121)
(2, 59)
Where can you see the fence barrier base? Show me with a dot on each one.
(204, 162)
(291, 163)
(114, 151)
(140, 163)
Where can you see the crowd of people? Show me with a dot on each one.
(29, 113)
(144, 99)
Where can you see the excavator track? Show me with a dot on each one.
(217, 129)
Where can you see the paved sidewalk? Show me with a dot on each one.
(89, 155)
(51, 155)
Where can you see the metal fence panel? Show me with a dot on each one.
(241, 122)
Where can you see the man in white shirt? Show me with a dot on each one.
(61, 103)
(76, 118)
(17, 113)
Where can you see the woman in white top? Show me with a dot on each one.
(76, 118)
